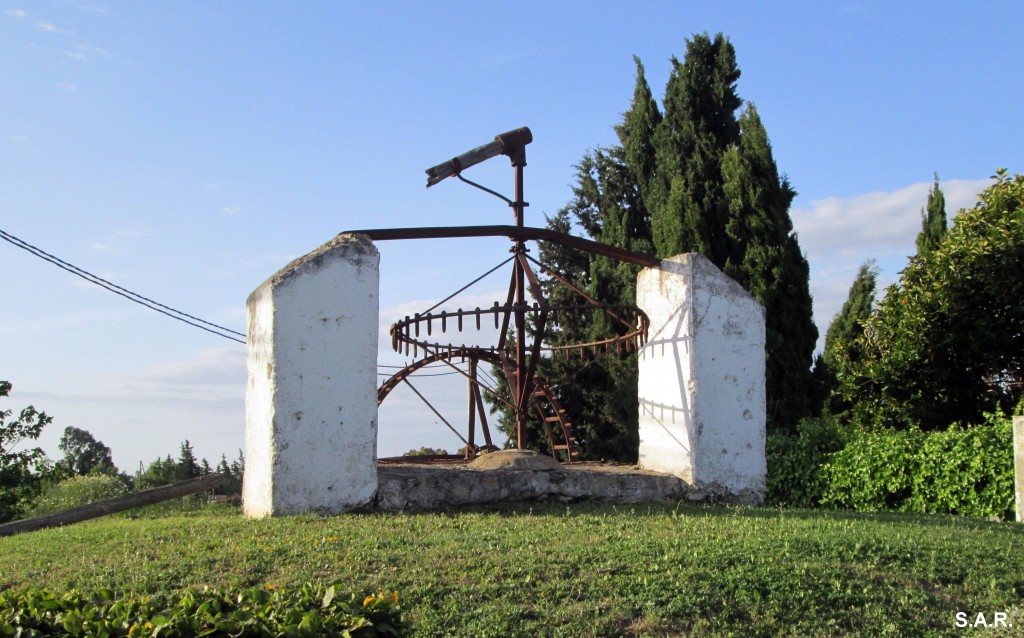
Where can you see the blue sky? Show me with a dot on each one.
(188, 150)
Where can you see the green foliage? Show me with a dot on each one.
(309, 611)
(231, 475)
(426, 451)
(583, 569)
(169, 470)
(847, 326)
(946, 344)
(159, 472)
(933, 221)
(764, 256)
(22, 472)
(874, 472)
(795, 462)
(83, 454)
(964, 471)
(78, 491)
(187, 466)
(699, 177)
(689, 212)
(843, 335)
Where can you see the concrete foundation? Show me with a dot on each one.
(702, 378)
(437, 487)
(311, 408)
(1018, 465)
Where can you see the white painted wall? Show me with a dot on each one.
(311, 408)
(702, 377)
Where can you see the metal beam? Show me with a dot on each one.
(517, 233)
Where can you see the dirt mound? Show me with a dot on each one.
(515, 460)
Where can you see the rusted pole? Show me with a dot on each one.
(519, 161)
(109, 506)
(472, 409)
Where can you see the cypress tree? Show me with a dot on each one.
(636, 134)
(841, 339)
(764, 256)
(694, 177)
(933, 220)
(688, 214)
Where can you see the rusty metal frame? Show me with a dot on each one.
(520, 366)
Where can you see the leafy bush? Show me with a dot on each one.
(945, 343)
(795, 462)
(310, 611)
(78, 491)
(21, 471)
(966, 471)
(875, 471)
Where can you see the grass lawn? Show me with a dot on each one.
(577, 570)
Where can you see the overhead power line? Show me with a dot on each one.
(196, 322)
(173, 313)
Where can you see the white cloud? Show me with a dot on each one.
(839, 234)
(232, 210)
(66, 86)
(47, 26)
(101, 247)
(17, 13)
(84, 52)
(211, 376)
(145, 413)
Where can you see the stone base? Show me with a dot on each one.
(409, 487)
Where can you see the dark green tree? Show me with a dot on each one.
(187, 466)
(933, 220)
(842, 340)
(598, 386)
(83, 454)
(697, 177)
(160, 472)
(688, 211)
(427, 451)
(764, 256)
(22, 472)
(946, 343)
(238, 465)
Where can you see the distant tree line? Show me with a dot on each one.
(28, 477)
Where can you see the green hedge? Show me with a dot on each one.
(78, 491)
(794, 462)
(307, 612)
(966, 471)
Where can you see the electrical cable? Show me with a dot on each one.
(124, 292)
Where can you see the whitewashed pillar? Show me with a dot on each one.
(311, 400)
(701, 383)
